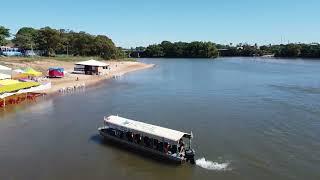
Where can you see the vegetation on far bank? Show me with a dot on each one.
(194, 49)
(210, 50)
(50, 42)
(76, 45)
(63, 58)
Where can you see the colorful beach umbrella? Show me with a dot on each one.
(31, 72)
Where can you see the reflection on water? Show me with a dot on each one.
(40, 105)
(252, 119)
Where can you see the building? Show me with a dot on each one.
(10, 51)
(91, 67)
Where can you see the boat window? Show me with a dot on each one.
(160, 146)
(120, 134)
(129, 136)
(155, 144)
(146, 141)
(173, 149)
(138, 138)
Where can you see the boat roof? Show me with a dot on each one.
(92, 62)
(150, 129)
(55, 68)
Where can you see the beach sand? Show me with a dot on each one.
(116, 68)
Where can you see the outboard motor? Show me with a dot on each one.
(189, 155)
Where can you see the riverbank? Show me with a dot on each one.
(117, 68)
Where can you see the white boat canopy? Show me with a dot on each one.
(4, 76)
(92, 62)
(151, 130)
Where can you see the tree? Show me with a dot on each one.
(25, 38)
(48, 40)
(289, 50)
(194, 49)
(4, 33)
(83, 44)
(168, 49)
(154, 51)
(179, 49)
(105, 47)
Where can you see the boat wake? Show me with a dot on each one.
(210, 165)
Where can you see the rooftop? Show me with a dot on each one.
(150, 129)
(92, 62)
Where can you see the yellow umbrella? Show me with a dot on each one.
(31, 72)
(8, 82)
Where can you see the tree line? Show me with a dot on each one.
(168, 49)
(51, 41)
(198, 49)
(292, 50)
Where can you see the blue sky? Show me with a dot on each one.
(131, 23)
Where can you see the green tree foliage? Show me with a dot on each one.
(52, 41)
(194, 49)
(154, 51)
(48, 40)
(296, 50)
(26, 38)
(282, 50)
(4, 33)
(310, 51)
(105, 47)
(290, 50)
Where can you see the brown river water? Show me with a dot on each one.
(252, 118)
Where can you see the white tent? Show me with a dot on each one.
(18, 71)
(5, 70)
(5, 76)
(92, 62)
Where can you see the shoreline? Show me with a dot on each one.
(92, 80)
(117, 68)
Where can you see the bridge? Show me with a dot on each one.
(133, 52)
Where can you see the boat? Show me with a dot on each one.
(163, 143)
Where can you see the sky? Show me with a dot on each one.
(132, 23)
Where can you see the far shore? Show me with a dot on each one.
(117, 68)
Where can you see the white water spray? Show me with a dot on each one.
(210, 165)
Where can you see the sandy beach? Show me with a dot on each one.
(116, 68)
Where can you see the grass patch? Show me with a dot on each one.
(125, 59)
(74, 58)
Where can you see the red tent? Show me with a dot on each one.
(56, 72)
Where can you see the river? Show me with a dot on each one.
(252, 118)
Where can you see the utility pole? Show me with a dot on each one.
(31, 50)
(67, 50)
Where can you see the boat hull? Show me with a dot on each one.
(142, 150)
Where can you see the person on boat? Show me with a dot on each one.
(130, 136)
(181, 146)
(166, 147)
